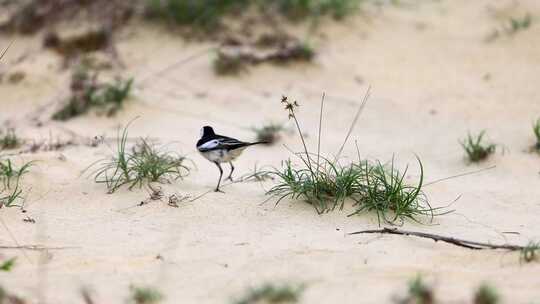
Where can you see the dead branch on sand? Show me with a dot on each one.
(451, 240)
(36, 247)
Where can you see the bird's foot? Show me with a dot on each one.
(230, 178)
(219, 190)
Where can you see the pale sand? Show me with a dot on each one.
(418, 60)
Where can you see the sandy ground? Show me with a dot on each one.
(427, 67)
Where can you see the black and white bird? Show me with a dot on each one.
(221, 149)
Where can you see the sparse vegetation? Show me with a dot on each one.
(418, 293)
(8, 298)
(327, 184)
(531, 252)
(385, 192)
(486, 295)
(207, 15)
(144, 295)
(9, 140)
(10, 176)
(269, 133)
(87, 93)
(518, 24)
(7, 265)
(536, 131)
(271, 293)
(228, 65)
(475, 149)
(145, 163)
(511, 27)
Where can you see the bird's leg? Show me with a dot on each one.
(220, 175)
(232, 170)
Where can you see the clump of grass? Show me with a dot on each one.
(8, 298)
(418, 293)
(207, 15)
(7, 265)
(271, 293)
(385, 192)
(202, 14)
(145, 163)
(536, 131)
(10, 176)
(326, 183)
(530, 253)
(475, 149)
(512, 26)
(225, 64)
(9, 140)
(87, 93)
(306, 8)
(486, 295)
(518, 24)
(144, 295)
(269, 133)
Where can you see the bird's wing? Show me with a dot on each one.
(222, 142)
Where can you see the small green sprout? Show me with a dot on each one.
(9, 140)
(536, 131)
(530, 253)
(475, 149)
(271, 293)
(7, 265)
(144, 295)
(486, 295)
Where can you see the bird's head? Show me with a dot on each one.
(207, 131)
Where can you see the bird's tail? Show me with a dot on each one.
(259, 143)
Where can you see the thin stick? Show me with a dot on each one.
(36, 247)
(320, 127)
(355, 120)
(15, 241)
(5, 51)
(177, 64)
(451, 240)
(459, 175)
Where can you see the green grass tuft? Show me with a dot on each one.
(224, 64)
(385, 192)
(486, 295)
(144, 295)
(536, 131)
(518, 24)
(145, 163)
(9, 140)
(530, 253)
(207, 15)
(327, 184)
(10, 177)
(88, 94)
(475, 149)
(7, 265)
(8, 298)
(271, 293)
(419, 292)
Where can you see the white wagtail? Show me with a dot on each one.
(220, 149)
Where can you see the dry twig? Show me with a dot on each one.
(451, 240)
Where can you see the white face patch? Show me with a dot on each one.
(202, 132)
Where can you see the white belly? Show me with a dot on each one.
(222, 156)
